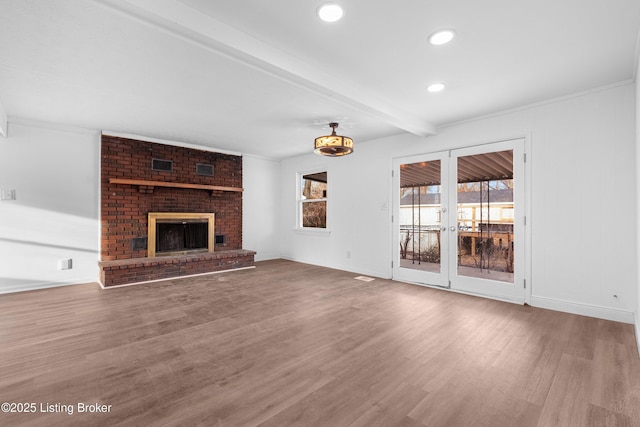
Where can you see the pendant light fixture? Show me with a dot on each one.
(333, 145)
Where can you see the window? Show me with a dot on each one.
(312, 200)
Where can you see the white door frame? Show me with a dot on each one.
(483, 286)
(409, 275)
(523, 277)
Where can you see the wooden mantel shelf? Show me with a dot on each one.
(173, 184)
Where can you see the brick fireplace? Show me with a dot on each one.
(140, 178)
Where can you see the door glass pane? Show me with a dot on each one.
(485, 206)
(420, 215)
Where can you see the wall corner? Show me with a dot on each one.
(4, 124)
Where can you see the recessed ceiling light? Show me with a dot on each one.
(330, 12)
(436, 87)
(441, 37)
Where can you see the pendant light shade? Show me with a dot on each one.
(333, 145)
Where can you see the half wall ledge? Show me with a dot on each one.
(136, 270)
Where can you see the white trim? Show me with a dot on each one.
(173, 278)
(42, 285)
(528, 212)
(265, 158)
(584, 309)
(52, 126)
(349, 269)
(392, 217)
(268, 256)
(312, 231)
(169, 142)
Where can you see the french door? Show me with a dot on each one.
(459, 219)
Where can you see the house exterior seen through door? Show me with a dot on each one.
(459, 219)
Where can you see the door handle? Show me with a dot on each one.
(452, 228)
(443, 228)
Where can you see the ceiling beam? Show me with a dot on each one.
(206, 31)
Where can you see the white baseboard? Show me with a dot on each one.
(41, 285)
(350, 269)
(585, 310)
(266, 256)
(536, 301)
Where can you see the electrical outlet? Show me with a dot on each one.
(65, 264)
(7, 194)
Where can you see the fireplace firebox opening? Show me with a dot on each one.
(177, 233)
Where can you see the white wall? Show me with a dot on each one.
(260, 207)
(55, 214)
(55, 175)
(358, 213)
(3, 121)
(637, 86)
(582, 154)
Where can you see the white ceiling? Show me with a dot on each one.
(266, 77)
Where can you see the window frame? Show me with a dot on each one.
(300, 202)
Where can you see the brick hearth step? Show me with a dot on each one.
(139, 270)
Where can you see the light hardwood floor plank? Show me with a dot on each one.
(295, 344)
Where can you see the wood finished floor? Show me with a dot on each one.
(288, 344)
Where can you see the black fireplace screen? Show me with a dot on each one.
(181, 236)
